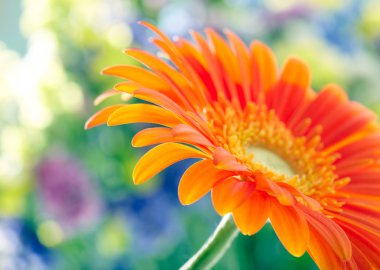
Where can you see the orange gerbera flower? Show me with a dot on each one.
(269, 147)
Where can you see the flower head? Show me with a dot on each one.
(269, 147)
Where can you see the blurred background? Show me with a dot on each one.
(66, 195)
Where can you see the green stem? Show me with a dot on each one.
(211, 252)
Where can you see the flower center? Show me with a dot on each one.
(272, 161)
(261, 141)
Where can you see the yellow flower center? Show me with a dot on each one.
(271, 161)
(261, 141)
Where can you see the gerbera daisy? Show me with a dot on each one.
(269, 147)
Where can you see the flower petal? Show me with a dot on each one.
(291, 88)
(136, 74)
(159, 99)
(212, 64)
(229, 194)
(127, 87)
(103, 96)
(180, 133)
(360, 217)
(322, 254)
(360, 259)
(281, 192)
(189, 134)
(101, 117)
(333, 236)
(228, 63)
(296, 72)
(226, 161)
(242, 55)
(198, 180)
(251, 216)
(365, 246)
(143, 113)
(150, 136)
(264, 68)
(159, 65)
(291, 228)
(161, 157)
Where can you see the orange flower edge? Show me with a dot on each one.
(269, 147)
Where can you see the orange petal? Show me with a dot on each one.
(178, 60)
(127, 87)
(366, 147)
(226, 161)
(251, 216)
(151, 136)
(360, 259)
(365, 246)
(229, 194)
(188, 117)
(143, 113)
(264, 68)
(179, 133)
(189, 50)
(186, 133)
(198, 180)
(213, 66)
(291, 89)
(202, 126)
(361, 123)
(103, 96)
(136, 74)
(102, 116)
(242, 56)
(333, 236)
(161, 157)
(296, 72)
(322, 254)
(291, 228)
(229, 65)
(360, 217)
(224, 54)
(201, 77)
(157, 64)
(310, 202)
(331, 96)
(281, 192)
(159, 99)
(174, 80)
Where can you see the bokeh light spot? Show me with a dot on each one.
(50, 233)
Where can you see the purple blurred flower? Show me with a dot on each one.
(278, 19)
(66, 193)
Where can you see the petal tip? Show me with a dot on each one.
(105, 71)
(183, 199)
(137, 178)
(297, 72)
(111, 122)
(91, 123)
(87, 125)
(184, 195)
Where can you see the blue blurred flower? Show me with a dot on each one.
(18, 250)
(339, 27)
(153, 220)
